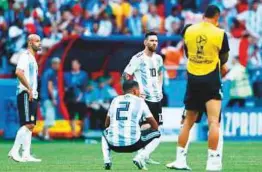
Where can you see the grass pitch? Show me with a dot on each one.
(77, 156)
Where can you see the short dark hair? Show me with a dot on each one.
(211, 11)
(129, 84)
(150, 34)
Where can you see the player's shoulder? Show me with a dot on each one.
(138, 99)
(24, 54)
(218, 29)
(138, 55)
(158, 57)
(186, 27)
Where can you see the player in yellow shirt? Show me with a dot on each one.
(206, 47)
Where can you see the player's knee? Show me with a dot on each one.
(145, 126)
(187, 123)
(213, 124)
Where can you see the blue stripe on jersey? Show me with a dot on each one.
(134, 119)
(31, 74)
(144, 79)
(121, 130)
(121, 138)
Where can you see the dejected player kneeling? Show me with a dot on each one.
(123, 132)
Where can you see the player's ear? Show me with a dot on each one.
(145, 42)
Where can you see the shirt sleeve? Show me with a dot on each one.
(22, 62)
(146, 112)
(111, 110)
(225, 45)
(184, 30)
(133, 65)
(161, 65)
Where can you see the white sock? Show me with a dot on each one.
(140, 151)
(212, 153)
(27, 143)
(106, 151)
(187, 145)
(188, 141)
(19, 139)
(220, 144)
(148, 149)
(181, 154)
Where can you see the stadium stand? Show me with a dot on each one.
(86, 27)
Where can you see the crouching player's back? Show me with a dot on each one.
(123, 132)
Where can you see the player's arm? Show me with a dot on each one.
(107, 123)
(149, 117)
(224, 70)
(223, 55)
(152, 122)
(110, 112)
(126, 76)
(20, 75)
(20, 68)
(160, 72)
(160, 79)
(183, 32)
(131, 67)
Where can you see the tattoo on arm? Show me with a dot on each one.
(126, 76)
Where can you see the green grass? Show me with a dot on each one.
(77, 156)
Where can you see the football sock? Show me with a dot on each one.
(27, 143)
(105, 150)
(19, 139)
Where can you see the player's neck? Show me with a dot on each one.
(209, 20)
(32, 51)
(148, 53)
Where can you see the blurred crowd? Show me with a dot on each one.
(54, 20)
(84, 97)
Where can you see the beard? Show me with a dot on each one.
(152, 49)
(36, 48)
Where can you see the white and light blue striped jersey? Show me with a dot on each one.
(125, 113)
(27, 63)
(146, 71)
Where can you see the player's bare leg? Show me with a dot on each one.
(182, 123)
(213, 110)
(180, 163)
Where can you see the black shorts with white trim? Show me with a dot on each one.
(147, 136)
(26, 109)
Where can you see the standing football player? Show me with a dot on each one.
(146, 67)
(26, 72)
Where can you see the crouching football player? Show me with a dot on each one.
(123, 132)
